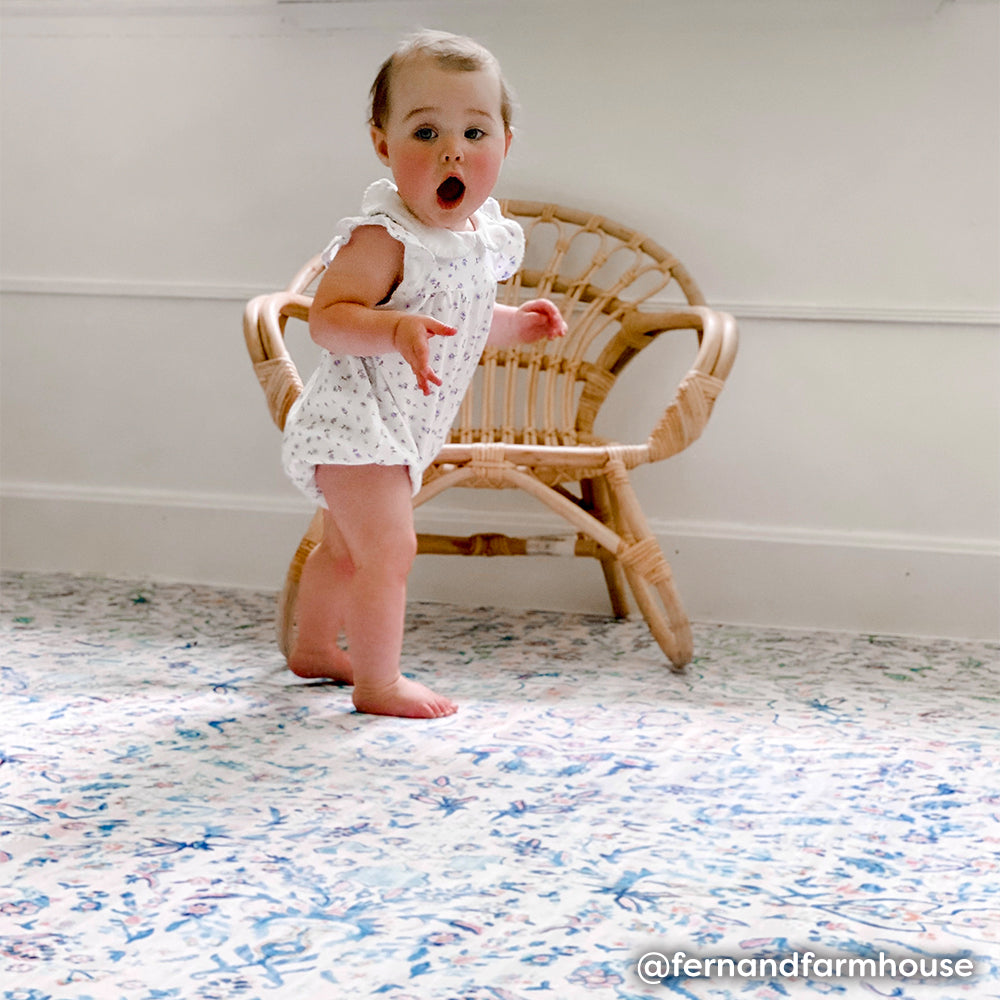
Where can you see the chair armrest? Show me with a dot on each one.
(717, 334)
(311, 270)
(687, 414)
(263, 328)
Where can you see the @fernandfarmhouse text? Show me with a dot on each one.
(665, 966)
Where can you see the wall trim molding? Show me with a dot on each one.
(441, 516)
(799, 312)
(260, 18)
(144, 497)
(316, 13)
(854, 581)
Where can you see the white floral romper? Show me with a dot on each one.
(369, 411)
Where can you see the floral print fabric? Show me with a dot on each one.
(368, 410)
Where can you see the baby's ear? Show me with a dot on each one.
(508, 135)
(380, 144)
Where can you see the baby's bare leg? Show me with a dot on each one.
(320, 609)
(374, 514)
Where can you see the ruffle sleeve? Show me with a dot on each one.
(381, 207)
(503, 237)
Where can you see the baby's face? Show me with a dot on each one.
(444, 140)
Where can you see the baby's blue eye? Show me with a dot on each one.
(474, 133)
(424, 134)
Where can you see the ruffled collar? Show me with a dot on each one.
(382, 198)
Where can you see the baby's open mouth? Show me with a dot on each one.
(450, 192)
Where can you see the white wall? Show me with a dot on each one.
(827, 169)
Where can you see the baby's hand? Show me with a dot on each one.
(537, 319)
(410, 338)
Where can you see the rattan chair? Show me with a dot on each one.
(527, 421)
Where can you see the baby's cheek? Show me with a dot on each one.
(413, 169)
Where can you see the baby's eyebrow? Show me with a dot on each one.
(416, 112)
(472, 112)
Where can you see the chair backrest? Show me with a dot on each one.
(598, 273)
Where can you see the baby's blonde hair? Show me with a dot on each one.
(452, 52)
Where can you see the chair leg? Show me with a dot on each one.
(649, 574)
(598, 501)
(286, 623)
(672, 631)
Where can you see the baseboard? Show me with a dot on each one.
(853, 581)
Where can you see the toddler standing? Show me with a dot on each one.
(403, 310)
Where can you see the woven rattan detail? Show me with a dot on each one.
(488, 466)
(280, 381)
(685, 418)
(646, 559)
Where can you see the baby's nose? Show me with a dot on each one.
(452, 154)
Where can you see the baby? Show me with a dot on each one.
(403, 310)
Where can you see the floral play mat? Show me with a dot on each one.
(181, 818)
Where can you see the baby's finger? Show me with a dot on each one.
(546, 306)
(424, 380)
(436, 329)
(556, 326)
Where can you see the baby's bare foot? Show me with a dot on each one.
(315, 664)
(404, 698)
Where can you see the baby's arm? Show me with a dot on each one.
(526, 324)
(343, 317)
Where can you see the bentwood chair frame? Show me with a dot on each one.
(527, 421)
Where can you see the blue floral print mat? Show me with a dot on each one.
(180, 817)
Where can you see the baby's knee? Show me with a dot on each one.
(388, 554)
(397, 551)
